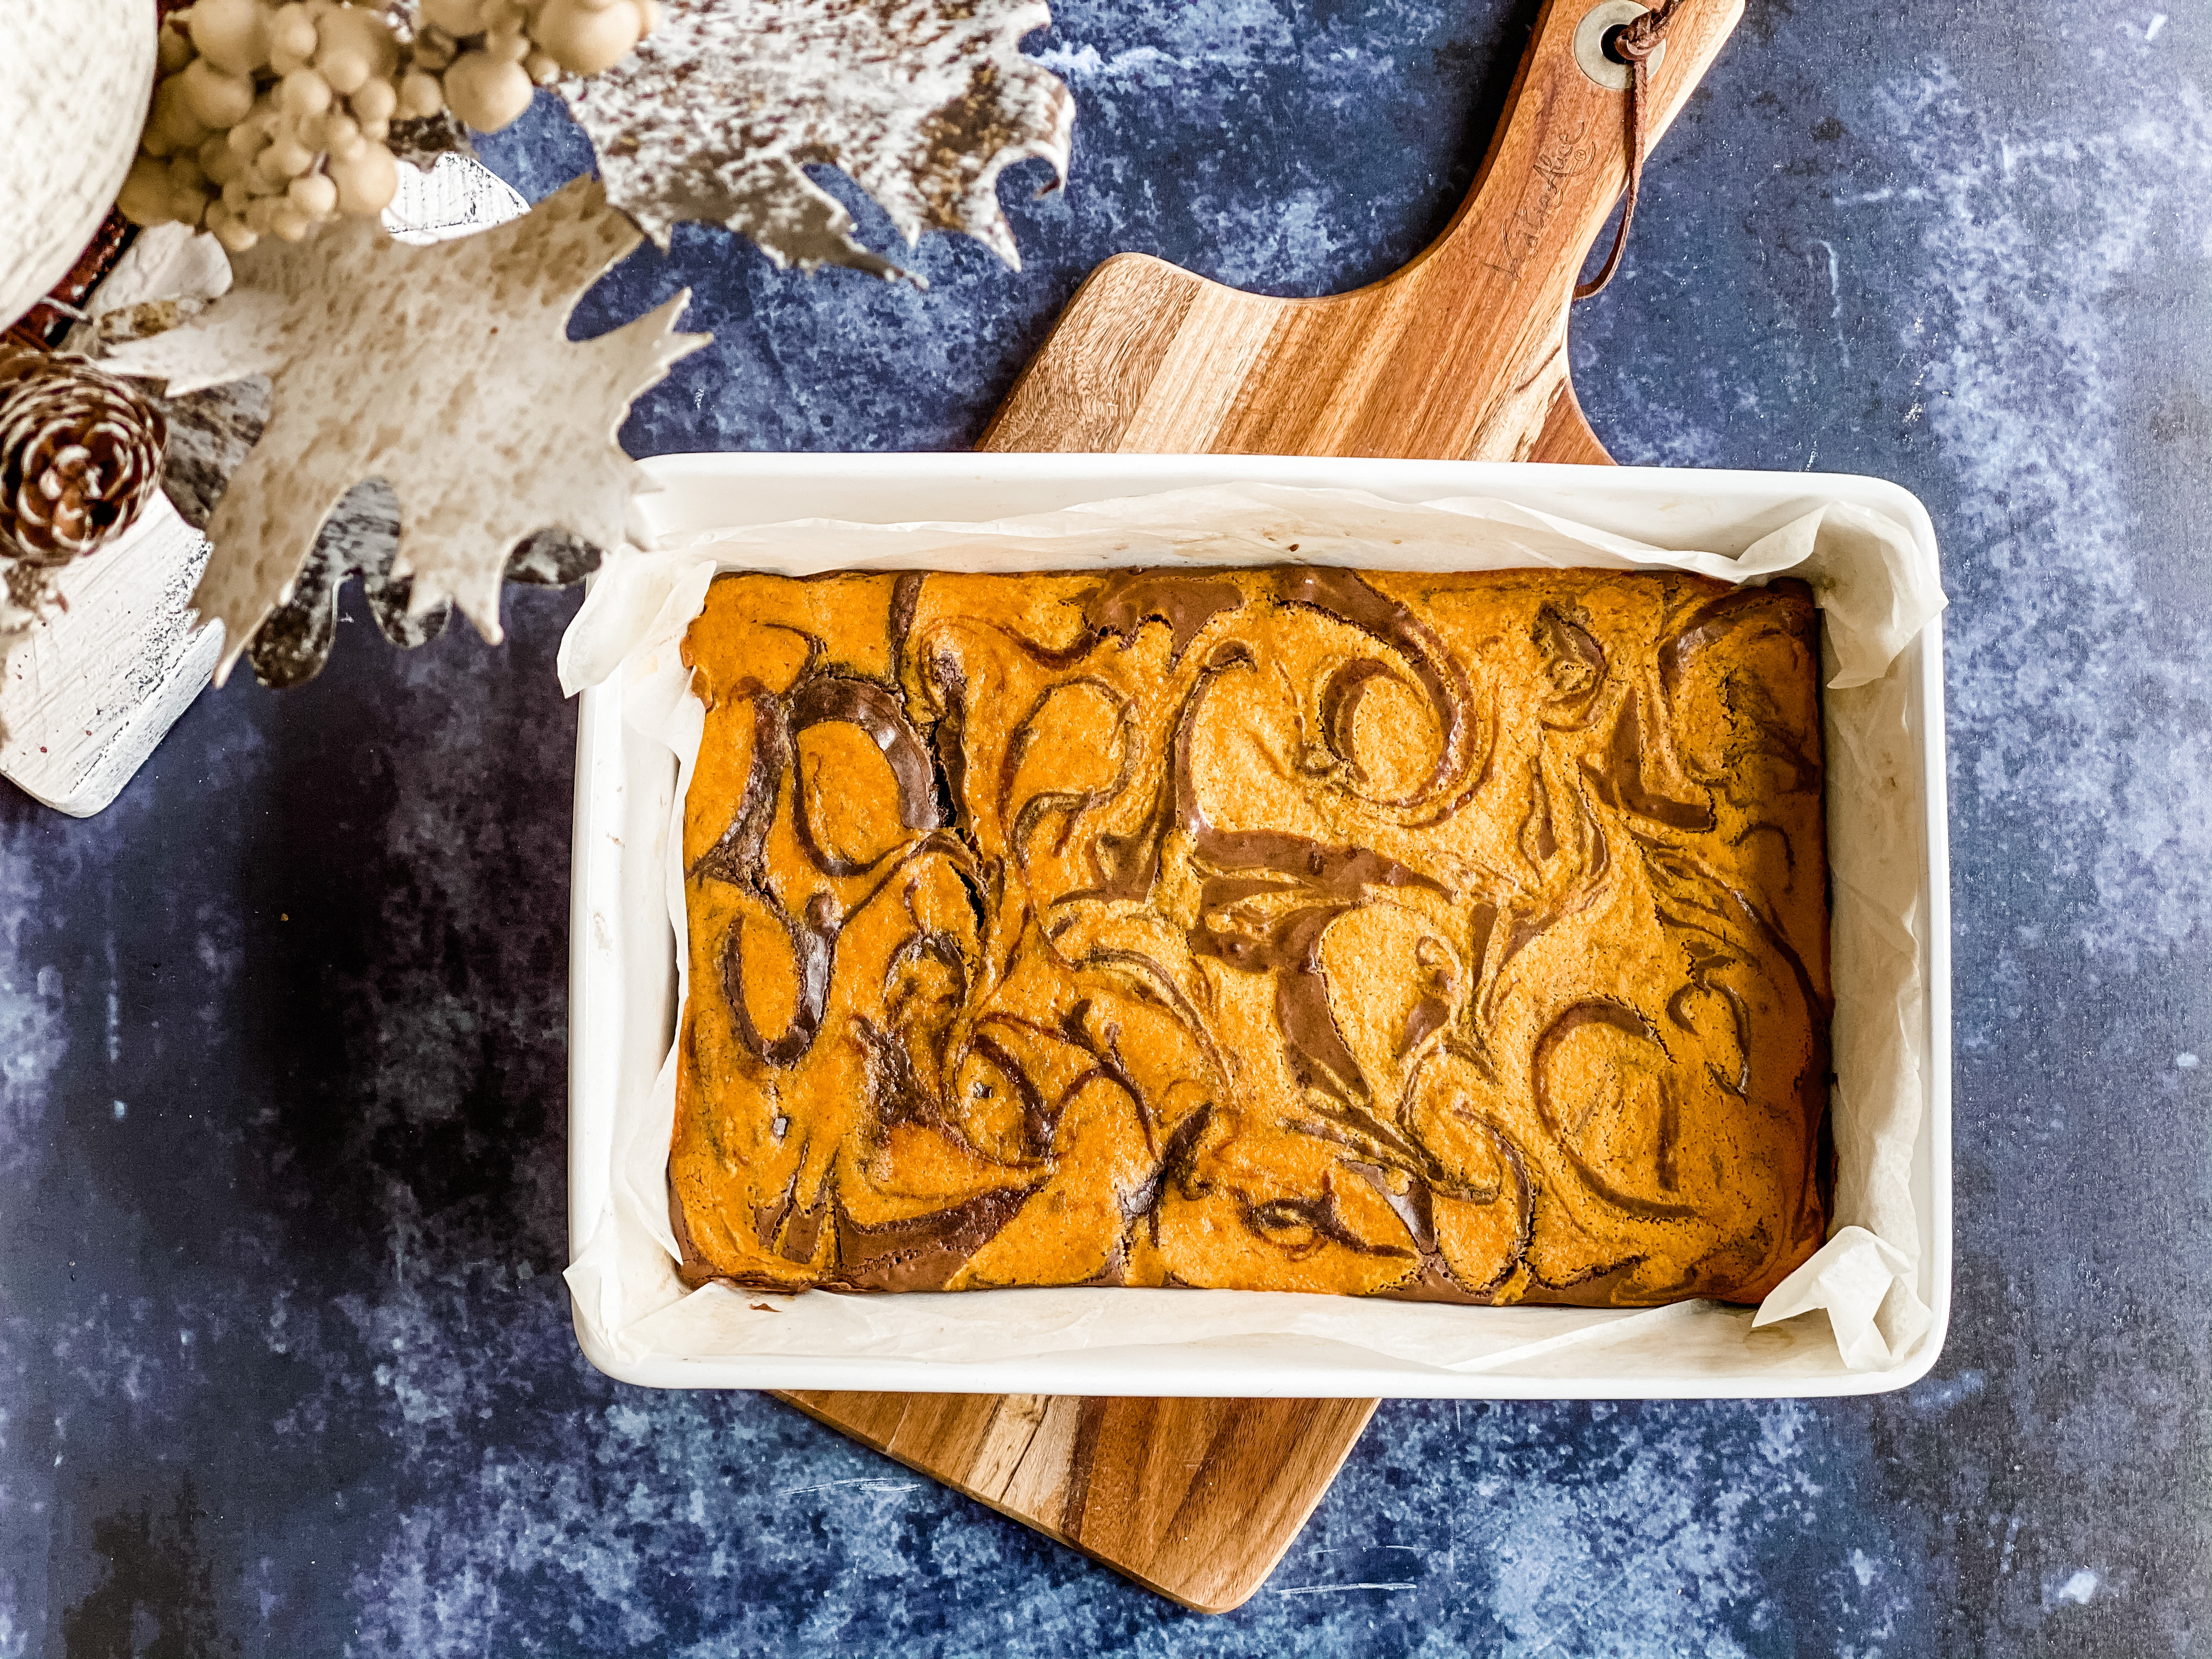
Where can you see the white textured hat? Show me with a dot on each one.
(74, 86)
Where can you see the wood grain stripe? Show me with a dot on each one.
(1461, 354)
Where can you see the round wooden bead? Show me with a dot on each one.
(174, 49)
(459, 18)
(341, 137)
(289, 223)
(485, 92)
(219, 161)
(171, 127)
(303, 93)
(315, 195)
(291, 38)
(145, 197)
(233, 232)
(233, 34)
(217, 102)
(420, 95)
(587, 39)
(353, 45)
(288, 156)
(366, 182)
(374, 102)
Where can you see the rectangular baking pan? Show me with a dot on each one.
(623, 952)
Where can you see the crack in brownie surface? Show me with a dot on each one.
(1459, 938)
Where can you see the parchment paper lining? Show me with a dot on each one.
(1875, 594)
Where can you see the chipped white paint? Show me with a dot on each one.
(90, 690)
(457, 198)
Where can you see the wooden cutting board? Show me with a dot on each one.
(1459, 355)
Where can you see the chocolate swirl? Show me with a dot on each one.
(1128, 600)
(1455, 938)
(1347, 597)
(833, 697)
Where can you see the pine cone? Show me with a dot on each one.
(80, 456)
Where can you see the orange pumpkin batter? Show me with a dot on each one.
(1460, 937)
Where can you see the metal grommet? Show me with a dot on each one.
(1590, 43)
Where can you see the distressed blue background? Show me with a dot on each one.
(285, 1361)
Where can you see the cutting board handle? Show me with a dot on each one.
(1500, 280)
(1558, 161)
(1461, 355)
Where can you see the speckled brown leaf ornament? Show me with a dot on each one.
(922, 102)
(446, 372)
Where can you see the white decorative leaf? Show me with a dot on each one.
(922, 102)
(446, 372)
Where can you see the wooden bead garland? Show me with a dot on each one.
(270, 118)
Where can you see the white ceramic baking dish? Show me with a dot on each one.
(622, 961)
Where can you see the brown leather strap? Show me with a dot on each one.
(1637, 43)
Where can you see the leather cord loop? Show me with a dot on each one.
(1638, 41)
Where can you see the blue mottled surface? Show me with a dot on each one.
(285, 1361)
